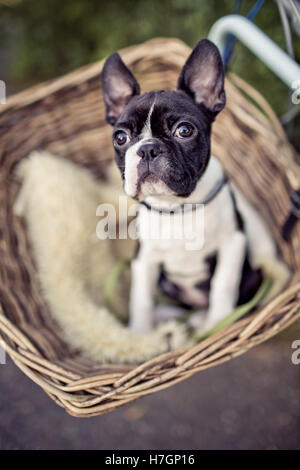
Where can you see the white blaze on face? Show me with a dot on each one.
(132, 159)
(147, 132)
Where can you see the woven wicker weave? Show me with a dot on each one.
(66, 117)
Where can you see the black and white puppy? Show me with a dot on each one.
(162, 148)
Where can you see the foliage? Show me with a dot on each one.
(51, 37)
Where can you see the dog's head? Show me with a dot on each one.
(162, 138)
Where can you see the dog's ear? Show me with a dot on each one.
(118, 86)
(202, 77)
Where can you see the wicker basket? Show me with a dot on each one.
(66, 117)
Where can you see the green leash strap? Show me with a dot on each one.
(238, 312)
(111, 282)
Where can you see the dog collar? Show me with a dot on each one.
(193, 205)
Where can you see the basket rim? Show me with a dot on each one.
(83, 74)
(110, 386)
(137, 380)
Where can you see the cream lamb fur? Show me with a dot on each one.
(58, 200)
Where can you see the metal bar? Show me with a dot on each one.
(257, 42)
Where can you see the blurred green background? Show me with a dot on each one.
(45, 39)
(251, 402)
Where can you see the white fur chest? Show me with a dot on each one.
(183, 241)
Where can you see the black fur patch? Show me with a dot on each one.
(251, 279)
(200, 96)
(181, 161)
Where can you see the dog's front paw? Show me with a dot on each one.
(164, 313)
(197, 320)
(174, 335)
(141, 324)
(204, 329)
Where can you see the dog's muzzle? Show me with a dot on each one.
(150, 152)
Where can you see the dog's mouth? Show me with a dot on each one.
(151, 184)
(148, 177)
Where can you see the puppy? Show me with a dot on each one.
(162, 148)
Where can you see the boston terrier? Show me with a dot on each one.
(162, 148)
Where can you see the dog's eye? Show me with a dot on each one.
(184, 130)
(121, 138)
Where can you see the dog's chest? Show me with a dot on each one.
(183, 243)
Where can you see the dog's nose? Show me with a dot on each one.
(149, 150)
